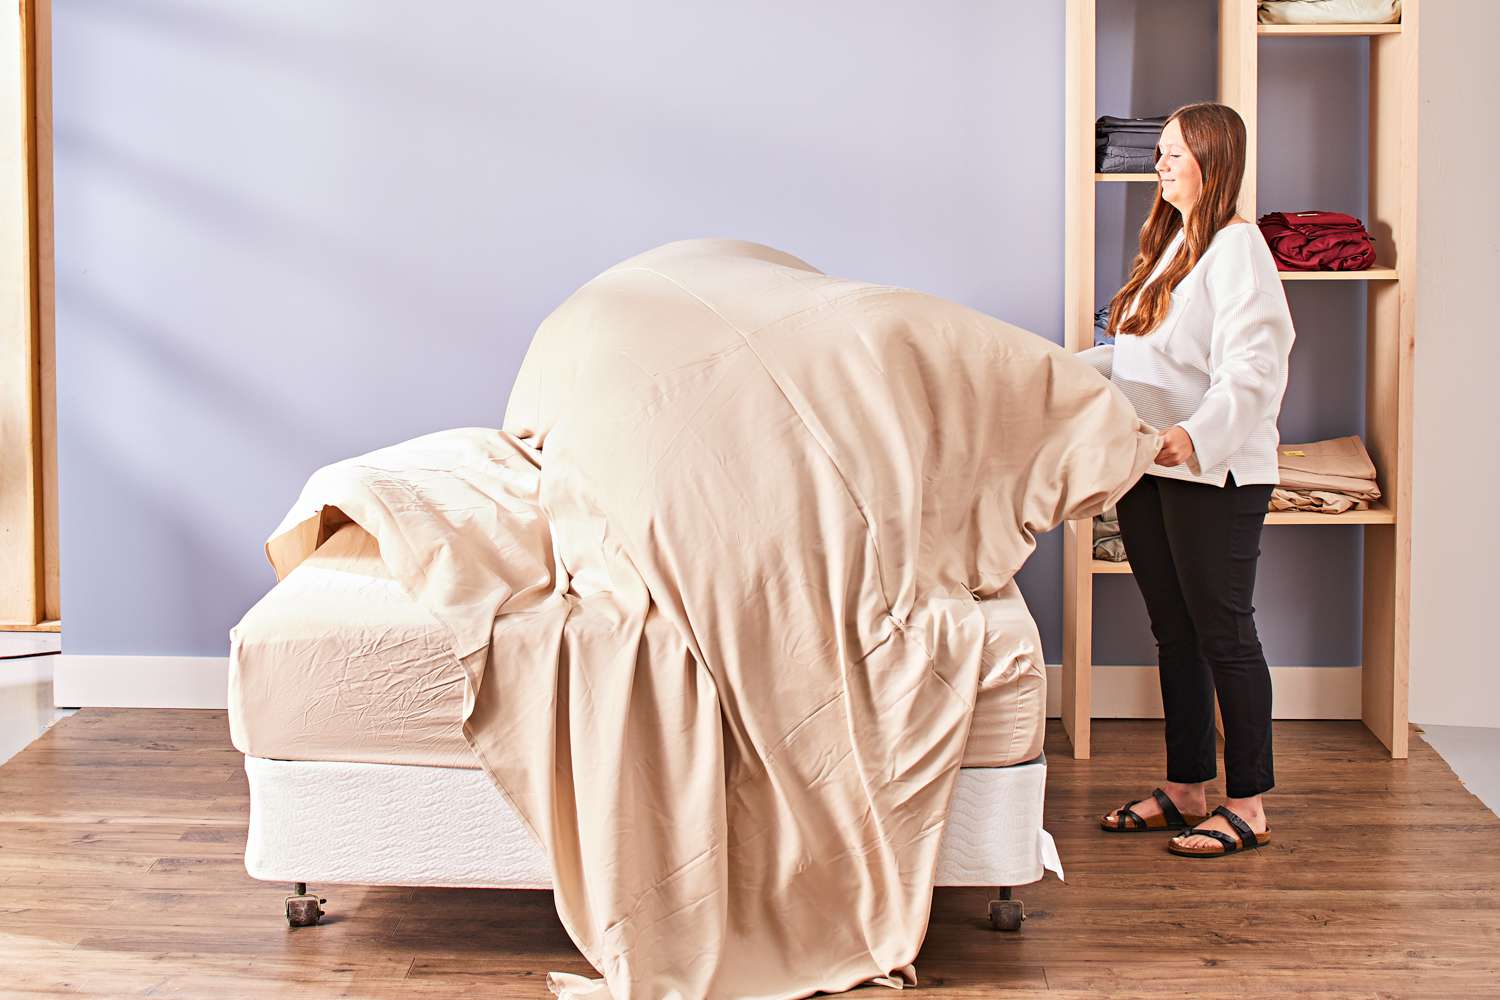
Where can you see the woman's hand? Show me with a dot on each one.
(1176, 447)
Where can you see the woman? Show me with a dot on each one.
(1202, 338)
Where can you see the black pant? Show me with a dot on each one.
(1192, 548)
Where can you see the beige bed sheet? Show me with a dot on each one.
(736, 530)
(336, 662)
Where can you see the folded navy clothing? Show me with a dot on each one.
(1127, 145)
(1109, 123)
(1133, 140)
(1118, 160)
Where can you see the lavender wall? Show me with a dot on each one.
(288, 233)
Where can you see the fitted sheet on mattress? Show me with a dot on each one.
(336, 663)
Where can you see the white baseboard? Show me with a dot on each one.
(1119, 692)
(1296, 692)
(140, 681)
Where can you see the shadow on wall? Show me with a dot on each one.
(172, 547)
(289, 233)
(327, 74)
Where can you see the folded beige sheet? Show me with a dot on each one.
(1315, 501)
(1339, 465)
(737, 531)
(336, 662)
(1329, 11)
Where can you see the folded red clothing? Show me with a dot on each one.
(1318, 241)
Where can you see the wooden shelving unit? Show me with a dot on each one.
(1390, 288)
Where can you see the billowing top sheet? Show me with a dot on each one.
(737, 525)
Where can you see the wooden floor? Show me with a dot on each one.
(121, 834)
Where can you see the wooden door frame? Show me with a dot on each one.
(29, 591)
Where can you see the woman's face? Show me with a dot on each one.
(1181, 180)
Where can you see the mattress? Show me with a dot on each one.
(337, 663)
(389, 824)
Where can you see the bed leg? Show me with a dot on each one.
(1006, 914)
(303, 910)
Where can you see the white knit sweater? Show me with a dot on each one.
(1217, 364)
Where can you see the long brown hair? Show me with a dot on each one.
(1215, 135)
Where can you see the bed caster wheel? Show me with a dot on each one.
(303, 910)
(1006, 914)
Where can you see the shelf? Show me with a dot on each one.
(1378, 514)
(1369, 274)
(1326, 30)
(52, 626)
(1126, 178)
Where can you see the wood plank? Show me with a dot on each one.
(1378, 513)
(1239, 85)
(20, 458)
(1369, 274)
(1326, 30)
(1078, 334)
(1390, 344)
(46, 274)
(1077, 702)
(112, 896)
(47, 626)
(1078, 171)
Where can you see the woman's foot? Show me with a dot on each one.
(1251, 810)
(1190, 800)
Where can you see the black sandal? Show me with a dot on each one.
(1168, 819)
(1248, 838)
